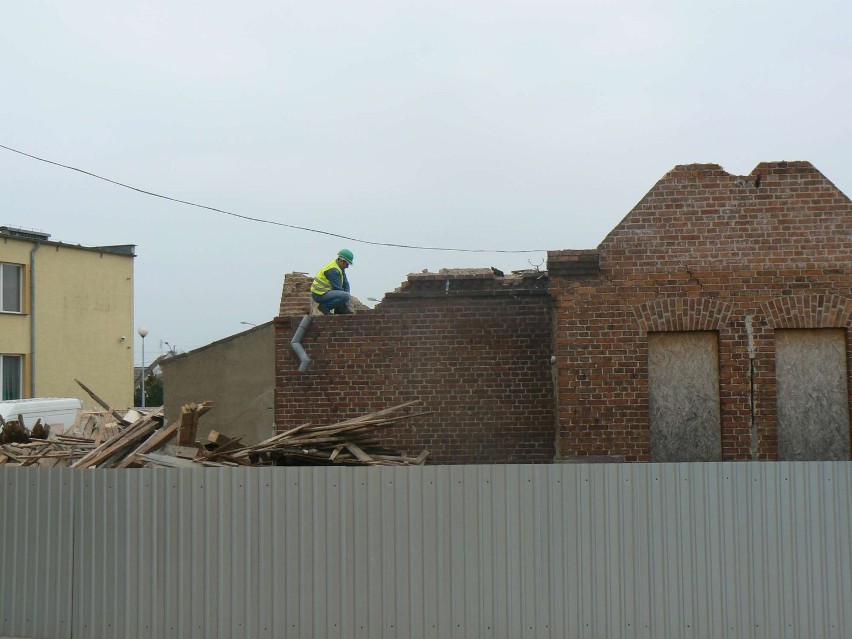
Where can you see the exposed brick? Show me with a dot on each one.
(701, 251)
(474, 347)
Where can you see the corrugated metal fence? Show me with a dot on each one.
(628, 550)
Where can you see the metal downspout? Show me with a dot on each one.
(296, 344)
(33, 320)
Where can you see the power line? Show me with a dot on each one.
(261, 220)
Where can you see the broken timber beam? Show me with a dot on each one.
(106, 406)
(152, 443)
(125, 439)
(189, 415)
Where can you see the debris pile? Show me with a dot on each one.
(141, 438)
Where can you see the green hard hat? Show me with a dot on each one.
(346, 254)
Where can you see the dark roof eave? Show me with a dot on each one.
(128, 250)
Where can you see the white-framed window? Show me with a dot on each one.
(11, 276)
(11, 371)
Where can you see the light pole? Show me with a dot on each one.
(142, 333)
(249, 323)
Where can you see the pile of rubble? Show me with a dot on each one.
(141, 438)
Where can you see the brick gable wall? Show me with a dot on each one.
(475, 348)
(703, 250)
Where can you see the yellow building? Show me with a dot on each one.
(66, 312)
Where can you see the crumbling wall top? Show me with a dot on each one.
(472, 281)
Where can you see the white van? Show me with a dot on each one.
(59, 412)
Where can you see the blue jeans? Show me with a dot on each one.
(337, 301)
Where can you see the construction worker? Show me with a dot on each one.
(330, 289)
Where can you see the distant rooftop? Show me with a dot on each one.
(31, 235)
(24, 234)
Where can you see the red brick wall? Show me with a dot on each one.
(703, 250)
(475, 349)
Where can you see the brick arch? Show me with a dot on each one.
(682, 314)
(808, 311)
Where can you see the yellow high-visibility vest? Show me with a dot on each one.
(321, 285)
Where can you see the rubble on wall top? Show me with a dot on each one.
(444, 273)
(697, 166)
(469, 280)
(297, 282)
(490, 273)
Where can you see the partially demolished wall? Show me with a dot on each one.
(474, 346)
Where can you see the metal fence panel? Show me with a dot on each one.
(35, 553)
(617, 550)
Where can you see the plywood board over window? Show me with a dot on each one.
(683, 386)
(813, 404)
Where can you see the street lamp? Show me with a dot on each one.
(142, 333)
(249, 323)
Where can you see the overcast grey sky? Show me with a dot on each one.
(479, 125)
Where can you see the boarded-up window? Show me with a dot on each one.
(683, 386)
(813, 400)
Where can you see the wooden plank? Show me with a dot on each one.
(132, 415)
(204, 407)
(99, 437)
(360, 454)
(72, 439)
(127, 438)
(188, 424)
(230, 449)
(377, 416)
(350, 442)
(184, 452)
(167, 460)
(190, 414)
(93, 420)
(152, 443)
(270, 444)
(38, 454)
(106, 406)
(101, 447)
(215, 437)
